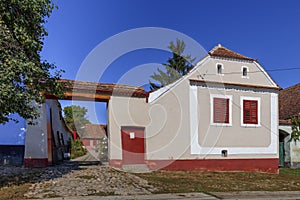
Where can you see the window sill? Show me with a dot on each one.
(251, 125)
(221, 124)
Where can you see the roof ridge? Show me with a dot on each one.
(221, 51)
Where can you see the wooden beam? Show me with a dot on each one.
(86, 97)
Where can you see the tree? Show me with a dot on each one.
(176, 67)
(24, 76)
(295, 135)
(75, 117)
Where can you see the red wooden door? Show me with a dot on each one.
(133, 145)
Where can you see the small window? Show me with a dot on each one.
(62, 139)
(221, 110)
(58, 138)
(245, 72)
(250, 115)
(219, 69)
(224, 153)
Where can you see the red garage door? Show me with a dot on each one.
(133, 145)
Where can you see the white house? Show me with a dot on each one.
(221, 116)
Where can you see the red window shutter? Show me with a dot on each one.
(221, 110)
(250, 112)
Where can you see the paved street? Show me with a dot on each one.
(86, 179)
(258, 195)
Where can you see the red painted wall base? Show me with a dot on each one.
(269, 165)
(35, 162)
(115, 163)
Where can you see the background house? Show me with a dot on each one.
(94, 138)
(289, 107)
(221, 116)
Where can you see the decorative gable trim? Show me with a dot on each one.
(266, 74)
(224, 85)
(232, 59)
(153, 96)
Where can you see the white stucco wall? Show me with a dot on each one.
(36, 136)
(292, 148)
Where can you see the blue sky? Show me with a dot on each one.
(263, 29)
(13, 133)
(266, 30)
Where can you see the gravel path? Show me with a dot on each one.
(91, 180)
(78, 178)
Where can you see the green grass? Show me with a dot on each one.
(289, 171)
(184, 181)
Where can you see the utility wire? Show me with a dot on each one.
(269, 70)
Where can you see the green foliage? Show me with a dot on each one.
(176, 67)
(23, 75)
(75, 117)
(77, 149)
(295, 135)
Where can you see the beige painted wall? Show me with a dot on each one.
(167, 119)
(234, 135)
(232, 72)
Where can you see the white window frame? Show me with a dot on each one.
(212, 96)
(242, 69)
(258, 99)
(222, 67)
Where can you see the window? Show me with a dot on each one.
(250, 112)
(245, 71)
(219, 68)
(221, 110)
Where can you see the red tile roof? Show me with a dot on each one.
(94, 131)
(289, 102)
(104, 88)
(220, 51)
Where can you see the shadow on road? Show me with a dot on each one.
(19, 175)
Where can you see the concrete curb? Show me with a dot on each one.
(257, 195)
(190, 196)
